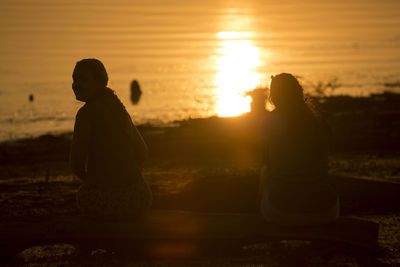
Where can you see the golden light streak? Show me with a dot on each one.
(236, 64)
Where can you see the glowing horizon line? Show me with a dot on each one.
(234, 35)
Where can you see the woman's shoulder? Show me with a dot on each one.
(101, 104)
(273, 124)
(271, 119)
(83, 112)
(268, 116)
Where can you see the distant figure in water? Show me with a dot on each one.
(107, 150)
(294, 139)
(31, 98)
(136, 93)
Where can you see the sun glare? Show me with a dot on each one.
(237, 61)
(233, 35)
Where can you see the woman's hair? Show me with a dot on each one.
(285, 91)
(95, 67)
(287, 95)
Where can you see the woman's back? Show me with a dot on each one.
(114, 157)
(295, 145)
(295, 153)
(297, 162)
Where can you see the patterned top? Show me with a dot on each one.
(107, 148)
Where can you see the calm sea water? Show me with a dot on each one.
(191, 58)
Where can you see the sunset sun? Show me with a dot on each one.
(236, 63)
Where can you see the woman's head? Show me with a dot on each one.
(89, 76)
(286, 92)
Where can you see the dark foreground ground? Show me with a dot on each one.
(212, 165)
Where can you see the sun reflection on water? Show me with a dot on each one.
(237, 62)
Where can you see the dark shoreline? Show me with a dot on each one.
(368, 117)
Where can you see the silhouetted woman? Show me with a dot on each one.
(107, 150)
(294, 140)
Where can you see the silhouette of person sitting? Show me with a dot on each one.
(294, 140)
(107, 150)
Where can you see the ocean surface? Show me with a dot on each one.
(192, 58)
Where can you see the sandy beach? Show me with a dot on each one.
(212, 165)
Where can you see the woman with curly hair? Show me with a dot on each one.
(295, 140)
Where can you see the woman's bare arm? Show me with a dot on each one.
(139, 145)
(80, 144)
(263, 141)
